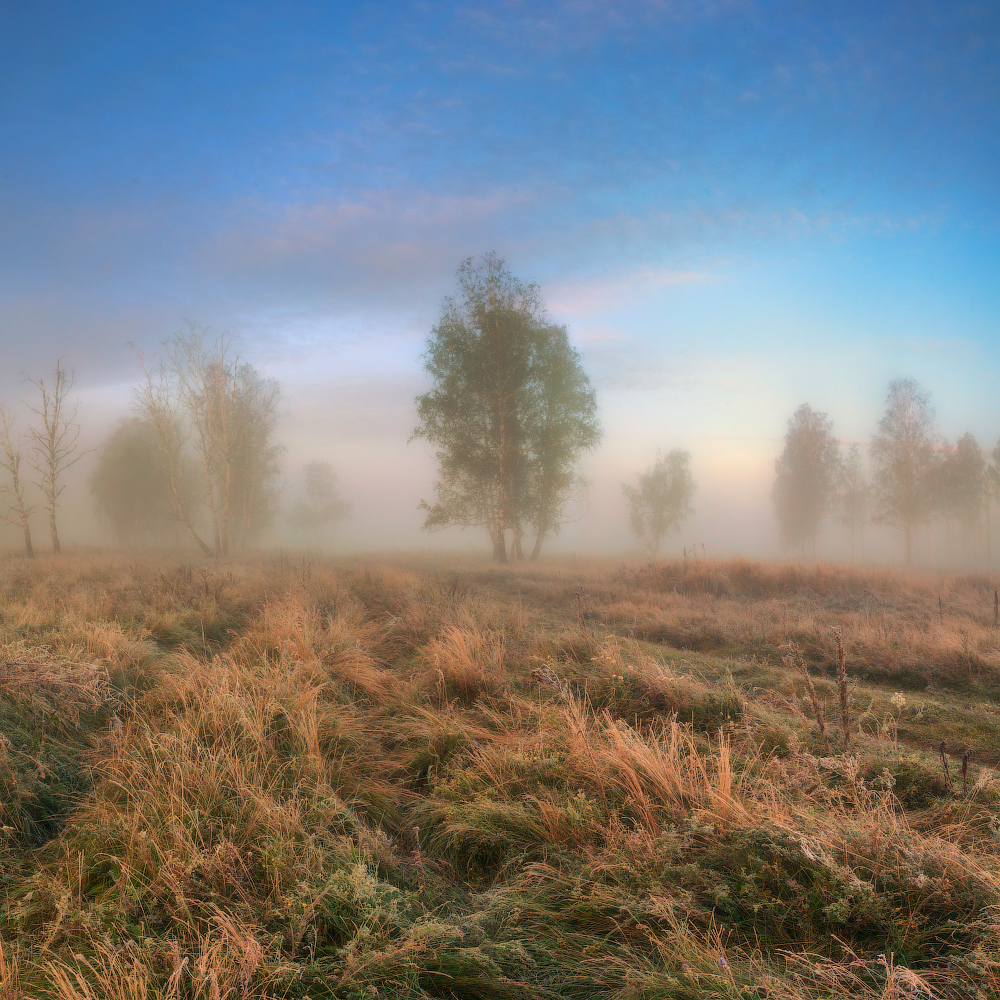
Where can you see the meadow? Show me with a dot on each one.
(424, 777)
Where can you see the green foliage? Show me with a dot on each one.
(510, 409)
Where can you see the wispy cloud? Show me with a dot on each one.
(617, 290)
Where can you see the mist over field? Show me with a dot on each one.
(733, 211)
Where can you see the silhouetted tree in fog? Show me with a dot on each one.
(11, 456)
(662, 500)
(992, 496)
(54, 440)
(158, 404)
(509, 409)
(251, 492)
(853, 497)
(960, 484)
(902, 453)
(203, 401)
(131, 484)
(323, 504)
(232, 409)
(806, 477)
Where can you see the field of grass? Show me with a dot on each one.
(420, 778)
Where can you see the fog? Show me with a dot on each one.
(361, 426)
(733, 210)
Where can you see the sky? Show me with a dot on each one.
(735, 207)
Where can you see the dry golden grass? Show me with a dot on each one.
(304, 779)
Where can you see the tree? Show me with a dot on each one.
(962, 484)
(806, 477)
(322, 505)
(662, 500)
(992, 496)
(201, 393)
(232, 410)
(159, 406)
(131, 484)
(54, 444)
(561, 424)
(853, 497)
(509, 409)
(11, 456)
(251, 494)
(902, 453)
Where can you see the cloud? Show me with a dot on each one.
(617, 290)
(633, 364)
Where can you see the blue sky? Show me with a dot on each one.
(735, 206)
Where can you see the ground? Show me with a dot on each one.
(435, 778)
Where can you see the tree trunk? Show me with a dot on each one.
(500, 548)
(909, 545)
(56, 547)
(538, 546)
(29, 550)
(989, 538)
(183, 516)
(205, 550)
(517, 552)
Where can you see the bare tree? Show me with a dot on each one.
(232, 411)
(200, 374)
(155, 402)
(54, 445)
(204, 401)
(251, 494)
(11, 456)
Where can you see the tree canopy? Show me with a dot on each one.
(130, 484)
(902, 453)
(806, 477)
(661, 501)
(510, 410)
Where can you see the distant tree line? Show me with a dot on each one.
(510, 412)
(917, 477)
(196, 458)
